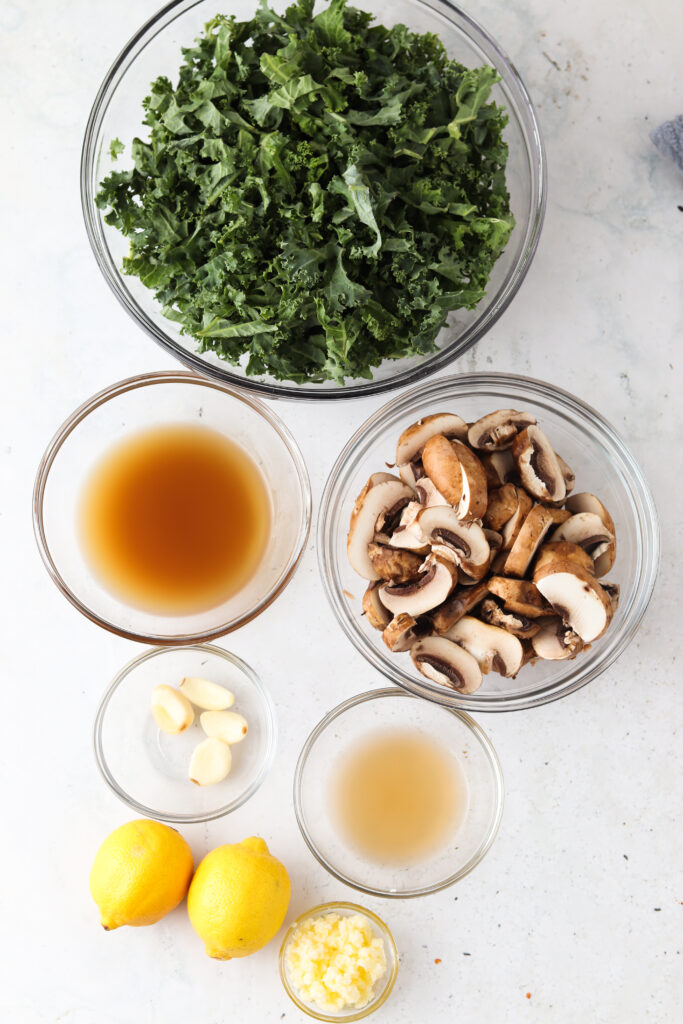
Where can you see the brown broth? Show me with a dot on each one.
(175, 519)
(399, 795)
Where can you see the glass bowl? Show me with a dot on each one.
(123, 410)
(384, 988)
(148, 768)
(155, 50)
(366, 715)
(603, 465)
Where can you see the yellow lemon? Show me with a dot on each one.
(141, 873)
(238, 898)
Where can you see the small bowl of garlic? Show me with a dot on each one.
(185, 734)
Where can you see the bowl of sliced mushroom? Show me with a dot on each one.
(488, 541)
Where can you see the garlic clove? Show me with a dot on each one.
(210, 762)
(171, 710)
(227, 726)
(206, 695)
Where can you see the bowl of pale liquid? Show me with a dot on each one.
(171, 509)
(397, 796)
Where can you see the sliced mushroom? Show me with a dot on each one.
(529, 540)
(502, 505)
(492, 647)
(589, 531)
(559, 515)
(556, 642)
(446, 663)
(373, 609)
(519, 596)
(568, 475)
(495, 540)
(510, 530)
(613, 591)
(499, 429)
(408, 534)
(538, 466)
(370, 504)
(393, 563)
(474, 496)
(414, 438)
(428, 494)
(603, 555)
(558, 551)
(390, 518)
(442, 466)
(461, 602)
(519, 625)
(403, 631)
(499, 467)
(463, 543)
(420, 595)
(577, 597)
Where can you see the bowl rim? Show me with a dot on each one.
(489, 751)
(113, 391)
(178, 818)
(391, 974)
(643, 508)
(537, 163)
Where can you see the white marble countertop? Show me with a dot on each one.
(575, 914)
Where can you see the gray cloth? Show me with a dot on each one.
(668, 139)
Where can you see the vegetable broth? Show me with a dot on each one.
(175, 519)
(399, 795)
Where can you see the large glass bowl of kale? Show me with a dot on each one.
(313, 203)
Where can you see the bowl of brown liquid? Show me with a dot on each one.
(156, 505)
(397, 796)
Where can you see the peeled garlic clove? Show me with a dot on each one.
(210, 762)
(205, 694)
(172, 711)
(227, 726)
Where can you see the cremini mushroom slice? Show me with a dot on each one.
(413, 439)
(463, 543)
(510, 530)
(613, 591)
(442, 466)
(171, 709)
(519, 596)
(428, 493)
(577, 597)
(373, 609)
(603, 555)
(499, 467)
(529, 539)
(519, 625)
(210, 762)
(370, 504)
(568, 474)
(499, 429)
(472, 504)
(502, 505)
(394, 563)
(538, 466)
(562, 550)
(446, 663)
(404, 630)
(588, 530)
(556, 642)
(461, 602)
(559, 515)
(495, 540)
(493, 648)
(420, 595)
(408, 535)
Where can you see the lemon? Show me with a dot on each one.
(238, 898)
(141, 873)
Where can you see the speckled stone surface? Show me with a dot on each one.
(576, 914)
